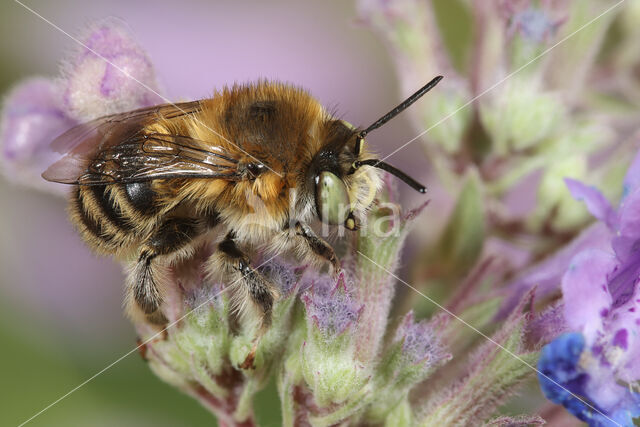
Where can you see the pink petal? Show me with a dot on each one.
(632, 179)
(596, 203)
(31, 119)
(585, 292)
(111, 74)
(627, 319)
(546, 275)
(629, 215)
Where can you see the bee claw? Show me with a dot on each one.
(249, 361)
(142, 349)
(275, 292)
(336, 265)
(336, 269)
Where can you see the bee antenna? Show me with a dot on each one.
(393, 171)
(403, 106)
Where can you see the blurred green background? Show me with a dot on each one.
(60, 311)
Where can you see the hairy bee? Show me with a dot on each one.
(150, 183)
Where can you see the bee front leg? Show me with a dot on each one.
(317, 247)
(252, 291)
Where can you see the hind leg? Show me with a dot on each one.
(254, 293)
(145, 279)
(144, 288)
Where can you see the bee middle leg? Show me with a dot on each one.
(173, 235)
(253, 288)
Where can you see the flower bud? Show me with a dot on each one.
(329, 365)
(555, 205)
(447, 134)
(492, 373)
(109, 74)
(519, 115)
(31, 119)
(413, 354)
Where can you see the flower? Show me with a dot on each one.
(419, 343)
(490, 375)
(338, 368)
(38, 110)
(331, 307)
(601, 300)
(110, 73)
(568, 377)
(31, 115)
(531, 23)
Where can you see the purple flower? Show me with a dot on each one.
(566, 379)
(546, 275)
(38, 110)
(31, 118)
(331, 306)
(285, 275)
(602, 301)
(111, 73)
(420, 345)
(534, 24)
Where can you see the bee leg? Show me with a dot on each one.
(317, 246)
(173, 235)
(253, 288)
(145, 287)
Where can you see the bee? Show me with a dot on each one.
(150, 184)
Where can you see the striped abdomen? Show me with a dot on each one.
(115, 218)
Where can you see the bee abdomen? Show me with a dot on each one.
(140, 198)
(174, 234)
(111, 209)
(101, 220)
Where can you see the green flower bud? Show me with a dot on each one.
(400, 416)
(413, 354)
(555, 205)
(447, 134)
(518, 115)
(329, 365)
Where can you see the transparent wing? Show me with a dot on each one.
(114, 149)
(92, 136)
(146, 157)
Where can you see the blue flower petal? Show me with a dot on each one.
(559, 378)
(563, 382)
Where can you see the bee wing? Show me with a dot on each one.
(153, 156)
(113, 148)
(92, 136)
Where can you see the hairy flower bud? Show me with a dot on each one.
(109, 74)
(31, 118)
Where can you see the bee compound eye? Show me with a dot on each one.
(332, 199)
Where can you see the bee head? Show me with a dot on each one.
(340, 185)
